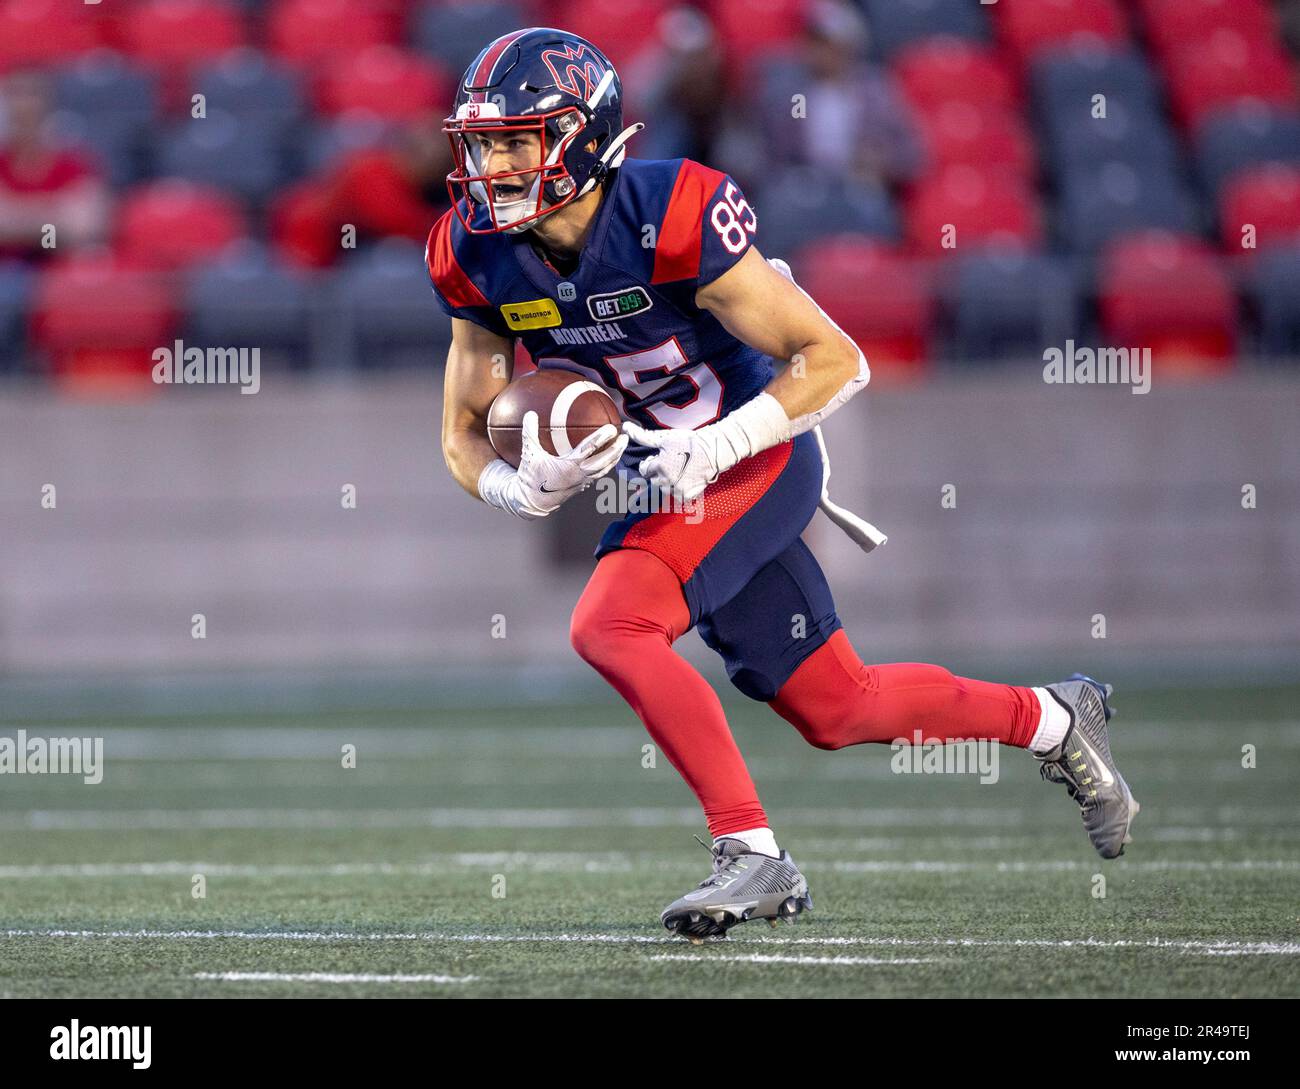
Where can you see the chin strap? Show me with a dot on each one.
(613, 156)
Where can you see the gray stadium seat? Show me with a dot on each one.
(322, 144)
(385, 310)
(802, 205)
(1077, 142)
(104, 83)
(15, 289)
(1010, 304)
(455, 32)
(1117, 199)
(248, 299)
(1277, 302)
(1065, 80)
(1244, 136)
(241, 156)
(247, 83)
(109, 106)
(899, 23)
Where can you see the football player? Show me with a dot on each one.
(644, 277)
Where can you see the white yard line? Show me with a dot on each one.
(919, 816)
(332, 936)
(598, 863)
(1051, 866)
(454, 862)
(635, 817)
(436, 741)
(765, 958)
(1226, 947)
(1289, 949)
(328, 977)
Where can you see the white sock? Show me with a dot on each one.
(756, 839)
(1053, 722)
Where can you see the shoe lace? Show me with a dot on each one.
(723, 865)
(1072, 770)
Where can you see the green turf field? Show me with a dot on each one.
(381, 880)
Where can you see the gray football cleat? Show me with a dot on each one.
(744, 885)
(1082, 761)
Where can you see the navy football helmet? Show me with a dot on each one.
(551, 83)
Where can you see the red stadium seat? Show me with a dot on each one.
(44, 32)
(1209, 75)
(750, 29)
(302, 227)
(878, 297)
(1267, 198)
(959, 132)
(1173, 24)
(100, 322)
(307, 31)
(968, 207)
(943, 70)
(1027, 29)
(170, 224)
(180, 32)
(386, 82)
(1170, 294)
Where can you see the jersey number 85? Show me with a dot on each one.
(727, 220)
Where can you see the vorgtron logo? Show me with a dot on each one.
(538, 314)
(619, 304)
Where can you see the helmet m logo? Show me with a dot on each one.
(574, 70)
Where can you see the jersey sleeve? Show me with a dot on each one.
(707, 227)
(453, 289)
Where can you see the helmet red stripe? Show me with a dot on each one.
(483, 73)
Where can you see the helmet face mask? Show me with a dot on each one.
(546, 180)
(552, 85)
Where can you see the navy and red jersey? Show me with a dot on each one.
(625, 317)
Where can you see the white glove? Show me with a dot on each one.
(687, 461)
(544, 481)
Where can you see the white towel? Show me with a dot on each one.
(863, 533)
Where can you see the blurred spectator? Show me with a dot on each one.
(42, 182)
(383, 191)
(828, 107)
(1289, 14)
(674, 87)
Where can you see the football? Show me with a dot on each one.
(568, 406)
